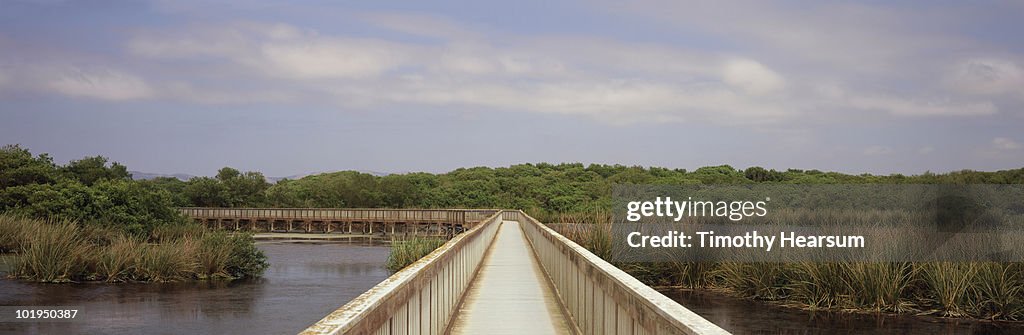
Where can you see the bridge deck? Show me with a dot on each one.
(511, 294)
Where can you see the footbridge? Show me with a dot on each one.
(439, 222)
(510, 274)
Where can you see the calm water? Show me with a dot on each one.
(304, 282)
(741, 316)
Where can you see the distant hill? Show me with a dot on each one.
(303, 175)
(139, 175)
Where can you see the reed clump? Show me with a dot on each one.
(118, 261)
(405, 252)
(63, 251)
(56, 252)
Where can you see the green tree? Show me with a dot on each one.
(19, 167)
(89, 170)
(759, 174)
(206, 192)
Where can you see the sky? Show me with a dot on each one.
(293, 87)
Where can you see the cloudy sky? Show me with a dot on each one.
(392, 86)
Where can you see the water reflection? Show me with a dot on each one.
(741, 316)
(304, 282)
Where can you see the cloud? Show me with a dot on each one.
(101, 84)
(609, 80)
(332, 58)
(1005, 143)
(826, 68)
(901, 60)
(605, 79)
(837, 36)
(612, 101)
(752, 77)
(987, 76)
(279, 50)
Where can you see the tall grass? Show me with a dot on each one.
(214, 255)
(999, 291)
(948, 286)
(405, 252)
(590, 229)
(174, 232)
(986, 290)
(168, 262)
(118, 261)
(64, 251)
(56, 252)
(15, 231)
(754, 280)
(881, 287)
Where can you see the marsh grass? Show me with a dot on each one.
(14, 232)
(174, 232)
(987, 290)
(214, 255)
(949, 286)
(590, 229)
(754, 280)
(55, 253)
(879, 287)
(117, 262)
(999, 291)
(165, 262)
(63, 251)
(405, 252)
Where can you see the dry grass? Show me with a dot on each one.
(405, 252)
(64, 251)
(987, 290)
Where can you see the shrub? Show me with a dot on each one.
(246, 261)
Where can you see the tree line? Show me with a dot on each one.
(95, 189)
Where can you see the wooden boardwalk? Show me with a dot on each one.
(510, 294)
(367, 221)
(511, 274)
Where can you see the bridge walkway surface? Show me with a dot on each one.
(511, 274)
(510, 294)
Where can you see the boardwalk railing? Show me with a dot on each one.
(339, 214)
(345, 220)
(421, 298)
(600, 298)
